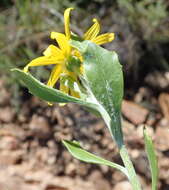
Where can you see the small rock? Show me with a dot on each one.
(99, 127)
(69, 121)
(5, 96)
(104, 168)
(21, 118)
(161, 139)
(10, 181)
(123, 185)
(142, 165)
(131, 135)
(163, 122)
(158, 80)
(144, 93)
(135, 153)
(134, 112)
(59, 116)
(81, 169)
(42, 154)
(9, 143)
(9, 158)
(99, 182)
(70, 169)
(6, 114)
(140, 129)
(164, 168)
(65, 183)
(55, 187)
(118, 176)
(164, 104)
(151, 120)
(40, 127)
(12, 130)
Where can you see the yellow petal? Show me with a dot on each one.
(54, 75)
(53, 51)
(62, 42)
(71, 74)
(104, 38)
(43, 60)
(67, 22)
(93, 30)
(74, 93)
(62, 104)
(50, 104)
(64, 88)
(82, 69)
(77, 54)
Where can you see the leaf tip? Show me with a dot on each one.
(71, 143)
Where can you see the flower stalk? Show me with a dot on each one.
(133, 178)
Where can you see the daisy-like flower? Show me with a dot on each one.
(66, 60)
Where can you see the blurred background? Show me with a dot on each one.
(31, 153)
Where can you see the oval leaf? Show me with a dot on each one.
(104, 76)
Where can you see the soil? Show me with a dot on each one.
(32, 156)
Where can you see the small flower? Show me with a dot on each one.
(66, 60)
(67, 66)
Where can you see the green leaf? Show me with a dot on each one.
(104, 76)
(78, 152)
(48, 94)
(152, 159)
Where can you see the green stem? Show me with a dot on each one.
(116, 131)
(129, 166)
(114, 125)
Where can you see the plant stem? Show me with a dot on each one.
(113, 122)
(116, 131)
(129, 166)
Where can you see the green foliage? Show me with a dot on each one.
(147, 17)
(104, 77)
(78, 152)
(152, 159)
(145, 35)
(103, 81)
(49, 94)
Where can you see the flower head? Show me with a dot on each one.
(66, 65)
(66, 60)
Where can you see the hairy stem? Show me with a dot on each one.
(129, 166)
(118, 137)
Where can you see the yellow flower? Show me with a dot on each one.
(66, 60)
(67, 66)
